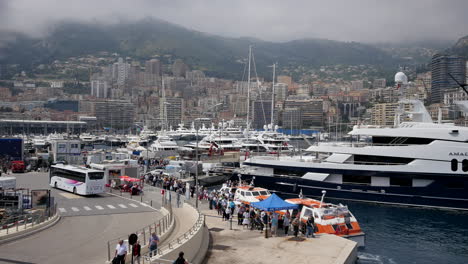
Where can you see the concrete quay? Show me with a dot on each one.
(241, 245)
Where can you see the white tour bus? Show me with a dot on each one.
(79, 180)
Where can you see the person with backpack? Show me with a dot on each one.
(153, 244)
(136, 251)
(310, 227)
(180, 259)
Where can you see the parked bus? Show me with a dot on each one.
(79, 180)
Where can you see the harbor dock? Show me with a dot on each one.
(240, 245)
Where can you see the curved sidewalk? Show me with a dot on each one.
(188, 234)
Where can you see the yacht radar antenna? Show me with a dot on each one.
(323, 197)
(252, 182)
(462, 85)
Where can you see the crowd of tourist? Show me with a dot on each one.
(282, 222)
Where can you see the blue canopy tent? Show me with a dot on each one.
(271, 204)
(274, 203)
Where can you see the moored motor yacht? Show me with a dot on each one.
(416, 163)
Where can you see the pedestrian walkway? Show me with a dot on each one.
(227, 244)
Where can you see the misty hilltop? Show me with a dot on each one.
(218, 56)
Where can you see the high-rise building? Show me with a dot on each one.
(379, 83)
(171, 110)
(285, 79)
(261, 114)
(281, 91)
(99, 87)
(357, 85)
(179, 68)
(311, 110)
(292, 118)
(153, 67)
(116, 114)
(442, 66)
(384, 114)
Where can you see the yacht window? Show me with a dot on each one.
(248, 194)
(307, 213)
(256, 193)
(356, 179)
(243, 193)
(402, 182)
(465, 165)
(455, 184)
(263, 192)
(290, 172)
(379, 160)
(454, 164)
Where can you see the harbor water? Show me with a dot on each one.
(411, 235)
(408, 235)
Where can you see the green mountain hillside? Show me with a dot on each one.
(216, 55)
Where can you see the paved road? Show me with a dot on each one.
(70, 204)
(79, 239)
(82, 234)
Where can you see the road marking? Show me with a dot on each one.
(75, 209)
(70, 195)
(110, 206)
(123, 206)
(62, 210)
(99, 207)
(87, 208)
(133, 205)
(147, 205)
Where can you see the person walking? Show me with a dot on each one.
(120, 253)
(274, 224)
(295, 224)
(310, 227)
(136, 252)
(286, 224)
(153, 244)
(180, 259)
(246, 219)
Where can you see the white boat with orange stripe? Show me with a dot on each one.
(249, 194)
(330, 218)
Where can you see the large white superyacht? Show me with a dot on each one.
(418, 163)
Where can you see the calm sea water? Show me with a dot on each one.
(404, 235)
(411, 235)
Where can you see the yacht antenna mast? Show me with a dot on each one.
(462, 85)
(164, 127)
(273, 97)
(248, 90)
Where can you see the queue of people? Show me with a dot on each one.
(280, 223)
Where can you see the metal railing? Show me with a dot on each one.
(168, 247)
(25, 221)
(159, 227)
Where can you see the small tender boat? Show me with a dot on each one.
(246, 194)
(330, 219)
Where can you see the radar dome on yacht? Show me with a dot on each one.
(401, 78)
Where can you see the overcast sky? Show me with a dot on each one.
(275, 20)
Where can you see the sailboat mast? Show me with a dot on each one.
(164, 104)
(248, 89)
(273, 98)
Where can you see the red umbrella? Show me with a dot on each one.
(124, 177)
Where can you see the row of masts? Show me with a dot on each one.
(272, 121)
